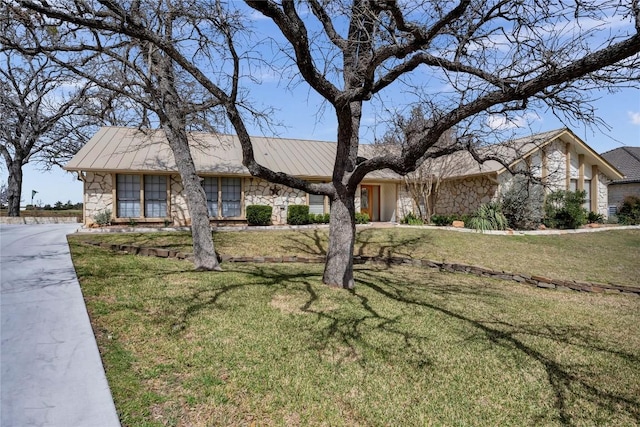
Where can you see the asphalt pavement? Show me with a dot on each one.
(51, 372)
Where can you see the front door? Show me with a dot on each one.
(366, 200)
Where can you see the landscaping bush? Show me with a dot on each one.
(564, 209)
(298, 215)
(362, 218)
(594, 217)
(411, 219)
(103, 218)
(319, 218)
(442, 220)
(259, 214)
(629, 212)
(489, 216)
(523, 204)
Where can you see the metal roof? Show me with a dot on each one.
(122, 149)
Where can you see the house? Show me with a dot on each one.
(132, 173)
(627, 161)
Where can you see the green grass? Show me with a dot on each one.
(607, 257)
(270, 344)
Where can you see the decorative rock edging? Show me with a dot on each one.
(532, 280)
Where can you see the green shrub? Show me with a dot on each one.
(629, 212)
(411, 219)
(319, 218)
(564, 209)
(259, 214)
(523, 204)
(103, 218)
(362, 218)
(489, 216)
(442, 220)
(595, 217)
(298, 215)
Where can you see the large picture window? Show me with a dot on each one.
(224, 196)
(128, 195)
(130, 199)
(155, 196)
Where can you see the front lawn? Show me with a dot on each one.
(607, 256)
(267, 344)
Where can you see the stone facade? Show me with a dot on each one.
(98, 195)
(464, 196)
(393, 203)
(280, 197)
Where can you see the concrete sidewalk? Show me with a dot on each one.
(51, 372)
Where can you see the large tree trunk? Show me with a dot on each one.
(173, 120)
(204, 254)
(14, 187)
(338, 270)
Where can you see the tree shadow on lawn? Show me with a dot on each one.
(315, 243)
(560, 376)
(344, 332)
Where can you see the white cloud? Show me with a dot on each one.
(500, 122)
(635, 117)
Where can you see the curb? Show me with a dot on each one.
(531, 280)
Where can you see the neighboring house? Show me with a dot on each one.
(627, 161)
(133, 174)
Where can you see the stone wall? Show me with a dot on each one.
(465, 195)
(98, 195)
(280, 197)
(178, 208)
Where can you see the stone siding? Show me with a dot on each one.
(280, 197)
(465, 195)
(98, 195)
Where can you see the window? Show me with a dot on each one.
(231, 197)
(224, 196)
(128, 196)
(155, 196)
(573, 185)
(587, 191)
(613, 210)
(210, 185)
(316, 203)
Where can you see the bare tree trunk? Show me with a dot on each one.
(338, 270)
(204, 254)
(14, 187)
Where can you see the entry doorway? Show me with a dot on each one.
(370, 201)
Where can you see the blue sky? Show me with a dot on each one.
(297, 109)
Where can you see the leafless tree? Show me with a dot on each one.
(423, 184)
(161, 95)
(39, 106)
(486, 58)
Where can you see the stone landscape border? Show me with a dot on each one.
(531, 280)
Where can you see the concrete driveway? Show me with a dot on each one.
(51, 372)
